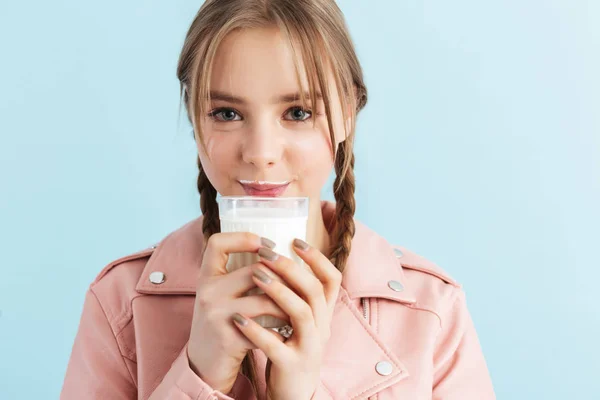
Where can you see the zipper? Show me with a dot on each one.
(365, 307)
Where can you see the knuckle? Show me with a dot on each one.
(211, 314)
(305, 312)
(316, 287)
(213, 241)
(223, 345)
(336, 276)
(204, 296)
(202, 299)
(249, 237)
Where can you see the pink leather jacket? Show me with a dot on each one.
(400, 330)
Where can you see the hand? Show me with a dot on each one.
(309, 301)
(216, 348)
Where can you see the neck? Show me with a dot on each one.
(317, 234)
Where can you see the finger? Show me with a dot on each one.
(220, 245)
(233, 284)
(249, 345)
(276, 335)
(324, 270)
(299, 311)
(256, 305)
(264, 339)
(302, 281)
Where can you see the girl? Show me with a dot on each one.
(272, 89)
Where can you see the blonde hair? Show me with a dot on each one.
(315, 30)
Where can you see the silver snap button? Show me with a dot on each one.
(157, 277)
(384, 368)
(398, 253)
(395, 286)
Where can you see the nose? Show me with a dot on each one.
(262, 148)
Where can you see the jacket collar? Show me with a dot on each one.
(372, 264)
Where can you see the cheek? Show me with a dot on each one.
(312, 158)
(219, 158)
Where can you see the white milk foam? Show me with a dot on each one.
(271, 223)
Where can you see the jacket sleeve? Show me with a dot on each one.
(460, 370)
(98, 370)
(321, 393)
(182, 383)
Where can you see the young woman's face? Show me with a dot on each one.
(259, 140)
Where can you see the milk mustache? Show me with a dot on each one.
(280, 219)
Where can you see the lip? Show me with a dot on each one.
(264, 188)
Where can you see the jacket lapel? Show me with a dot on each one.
(358, 362)
(354, 353)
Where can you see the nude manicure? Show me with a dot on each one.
(301, 244)
(267, 254)
(239, 319)
(267, 243)
(261, 276)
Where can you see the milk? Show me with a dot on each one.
(274, 219)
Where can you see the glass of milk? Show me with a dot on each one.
(280, 219)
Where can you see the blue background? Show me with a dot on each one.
(479, 149)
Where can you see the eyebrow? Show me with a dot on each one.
(285, 98)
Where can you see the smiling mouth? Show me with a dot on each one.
(264, 188)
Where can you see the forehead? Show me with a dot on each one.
(257, 64)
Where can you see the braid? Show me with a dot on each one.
(343, 190)
(208, 204)
(249, 370)
(210, 226)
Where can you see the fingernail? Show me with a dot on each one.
(301, 244)
(267, 243)
(261, 276)
(240, 320)
(267, 254)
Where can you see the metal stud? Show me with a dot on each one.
(384, 368)
(398, 253)
(395, 286)
(157, 277)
